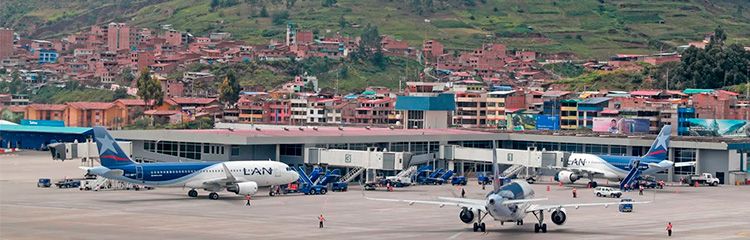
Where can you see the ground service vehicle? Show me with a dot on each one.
(705, 178)
(626, 207)
(607, 192)
(44, 182)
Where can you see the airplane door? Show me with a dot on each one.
(139, 172)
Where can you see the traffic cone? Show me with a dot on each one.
(548, 189)
(559, 184)
(696, 184)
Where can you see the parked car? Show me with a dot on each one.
(607, 192)
(628, 207)
(44, 182)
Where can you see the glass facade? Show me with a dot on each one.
(684, 155)
(178, 149)
(618, 150)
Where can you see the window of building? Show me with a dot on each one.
(399, 147)
(684, 155)
(235, 150)
(618, 150)
(596, 149)
(291, 149)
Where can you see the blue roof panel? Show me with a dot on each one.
(44, 129)
(441, 102)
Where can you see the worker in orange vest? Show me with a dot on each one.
(247, 197)
(669, 229)
(321, 220)
(574, 193)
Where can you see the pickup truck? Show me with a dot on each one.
(705, 178)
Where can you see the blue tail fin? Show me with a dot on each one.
(110, 153)
(659, 149)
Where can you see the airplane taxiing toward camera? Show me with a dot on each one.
(509, 203)
(239, 177)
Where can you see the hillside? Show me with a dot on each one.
(586, 28)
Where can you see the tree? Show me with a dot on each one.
(378, 59)
(342, 22)
(149, 89)
(370, 39)
(126, 76)
(328, 3)
(229, 90)
(715, 66)
(263, 12)
(290, 3)
(120, 93)
(280, 18)
(214, 4)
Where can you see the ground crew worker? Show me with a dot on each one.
(463, 193)
(640, 190)
(321, 219)
(574, 193)
(247, 197)
(669, 229)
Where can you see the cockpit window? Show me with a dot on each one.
(289, 169)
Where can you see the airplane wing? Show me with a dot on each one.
(220, 182)
(483, 202)
(534, 208)
(467, 203)
(684, 164)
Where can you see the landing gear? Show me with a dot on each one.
(519, 222)
(192, 193)
(593, 184)
(213, 196)
(479, 225)
(541, 226)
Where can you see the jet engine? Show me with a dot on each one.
(566, 177)
(559, 216)
(466, 216)
(243, 188)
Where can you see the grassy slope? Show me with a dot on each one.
(612, 27)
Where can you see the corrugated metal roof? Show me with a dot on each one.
(44, 129)
(595, 100)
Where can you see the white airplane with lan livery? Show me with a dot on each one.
(239, 177)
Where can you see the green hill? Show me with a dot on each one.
(587, 28)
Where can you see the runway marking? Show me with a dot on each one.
(454, 236)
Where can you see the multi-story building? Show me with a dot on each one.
(118, 37)
(6, 43)
(90, 114)
(46, 112)
(471, 109)
(590, 108)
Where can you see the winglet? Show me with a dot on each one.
(229, 173)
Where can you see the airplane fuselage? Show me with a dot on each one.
(509, 212)
(614, 167)
(193, 175)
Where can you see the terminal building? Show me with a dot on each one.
(722, 157)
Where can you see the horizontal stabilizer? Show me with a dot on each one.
(684, 164)
(113, 173)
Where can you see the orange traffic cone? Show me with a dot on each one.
(548, 189)
(696, 184)
(559, 184)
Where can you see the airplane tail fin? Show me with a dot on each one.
(659, 149)
(110, 153)
(495, 170)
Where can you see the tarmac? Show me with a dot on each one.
(28, 212)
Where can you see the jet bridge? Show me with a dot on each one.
(357, 161)
(531, 159)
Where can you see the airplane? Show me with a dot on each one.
(239, 177)
(618, 168)
(511, 202)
